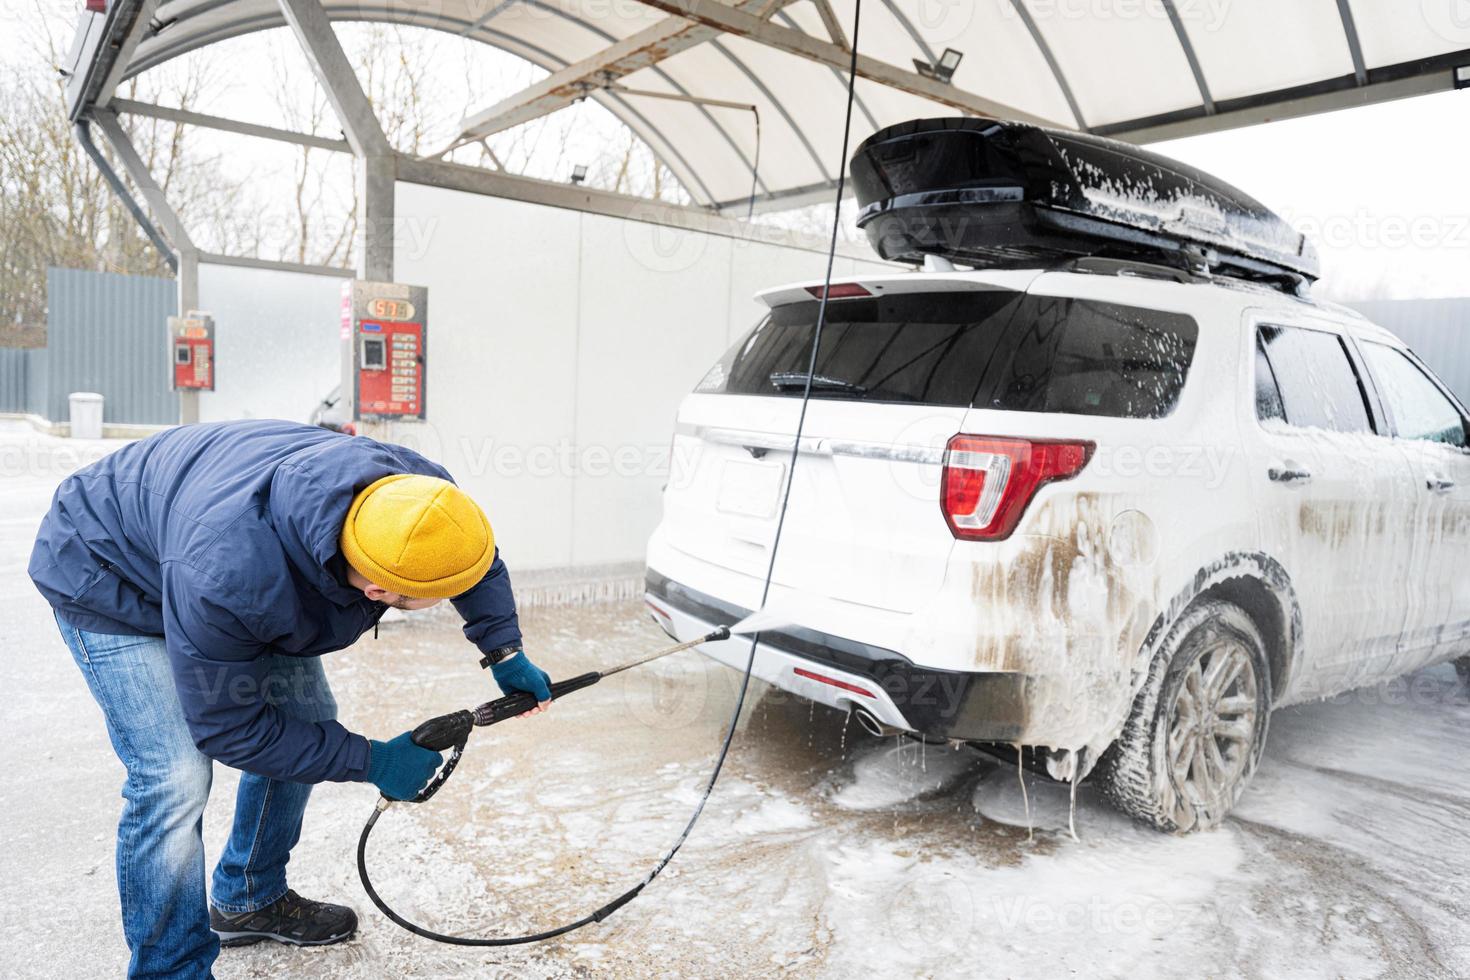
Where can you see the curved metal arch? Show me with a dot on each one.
(703, 110)
(912, 31)
(1187, 46)
(787, 20)
(547, 61)
(1354, 43)
(1051, 60)
(781, 108)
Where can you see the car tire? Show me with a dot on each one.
(1198, 724)
(1462, 667)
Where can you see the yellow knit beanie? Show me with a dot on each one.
(419, 536)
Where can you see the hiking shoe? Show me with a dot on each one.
(289, 919)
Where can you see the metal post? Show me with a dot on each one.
(376, 176)
(377, 162)
(188, 281)
(186, 254)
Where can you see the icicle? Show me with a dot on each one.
(1072, 757)
(1025, 797)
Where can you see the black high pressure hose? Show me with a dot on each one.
(452, 731)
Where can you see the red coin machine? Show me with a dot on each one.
(385, 343)
(191, 351)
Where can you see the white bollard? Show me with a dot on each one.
(86, 415)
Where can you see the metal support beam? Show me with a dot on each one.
(716, 15)
(675, 97)
(375, 179)
(784, 200)
(139, 27)
(832, 24)
(83, 130)
(246, 262)
(477, 180)
(1308, 100)
(376, 159)
(189, 118)
(127, 155)
(561, 88)
(308, 21)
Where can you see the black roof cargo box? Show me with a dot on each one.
(988, 193)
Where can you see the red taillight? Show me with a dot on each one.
(842, 290)
(97, 6)
(989, 480)
(812, 675)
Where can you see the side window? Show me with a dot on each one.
(1420, 410)
(1315, 378)
(1087, 357)
(1268, 393)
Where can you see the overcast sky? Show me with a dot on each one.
(1382, 190)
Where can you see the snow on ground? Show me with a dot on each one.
(825, 852)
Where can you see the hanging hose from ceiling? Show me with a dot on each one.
(451, 731)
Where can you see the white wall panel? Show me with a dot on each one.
(560, 345)
(276, 342)
(503, 306)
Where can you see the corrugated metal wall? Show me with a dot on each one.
(1437, 329)
(23, 382)
(13, 386)
(105, 333)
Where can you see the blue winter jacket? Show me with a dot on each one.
(222, 539)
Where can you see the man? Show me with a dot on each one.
(197, 576)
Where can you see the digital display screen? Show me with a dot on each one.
(396, 310)
(374, 354)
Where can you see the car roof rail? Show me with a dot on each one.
(1100, 265)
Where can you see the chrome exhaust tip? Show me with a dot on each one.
(872, 725)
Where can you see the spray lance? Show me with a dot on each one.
(451, 733)
(453, 730)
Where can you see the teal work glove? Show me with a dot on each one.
(517, 673)
(399, 768)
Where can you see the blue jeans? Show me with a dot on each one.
(160, 846)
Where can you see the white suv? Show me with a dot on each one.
(1108, 513)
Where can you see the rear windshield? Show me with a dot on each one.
(995, 349)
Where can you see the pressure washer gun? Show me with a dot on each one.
(450, 732)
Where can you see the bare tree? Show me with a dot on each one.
(55, 208)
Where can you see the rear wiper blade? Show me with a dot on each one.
(785, 380)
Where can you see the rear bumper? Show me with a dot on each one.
(848, 674)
